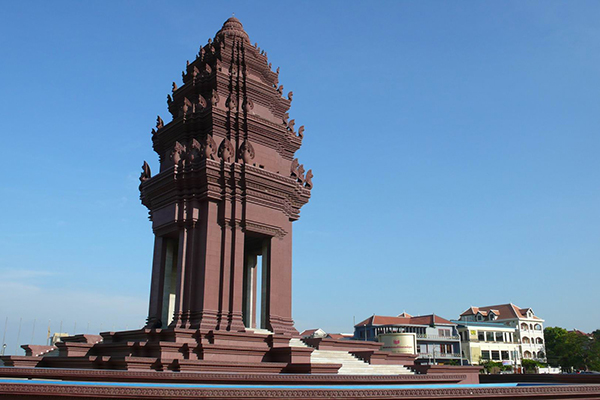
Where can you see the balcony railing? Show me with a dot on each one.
(436, 337)
(439, 355)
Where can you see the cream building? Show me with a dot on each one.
(485, 341)
(529, 328)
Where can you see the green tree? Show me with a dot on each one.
(572, 350)
(556, 347)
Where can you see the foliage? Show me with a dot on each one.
(572, 350)
(530, 366)
(493, 367)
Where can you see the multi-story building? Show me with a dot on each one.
(485, 341)
(437, 338)
(529, 328)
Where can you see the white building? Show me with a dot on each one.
(529, 328)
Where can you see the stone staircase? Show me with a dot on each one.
(351, 365)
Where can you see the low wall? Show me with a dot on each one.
(541, 378)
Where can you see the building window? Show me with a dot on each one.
(537, 327)
(539, 341)
(505, 355)
(444, 332)
(499, 337)
(485, 354)
(526, 340)
(495, 355)
(489, 336)
(524, 327)
(541, 354)
(481, 336)
(527, 354)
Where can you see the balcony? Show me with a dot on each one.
(425, 336)
(439, 356)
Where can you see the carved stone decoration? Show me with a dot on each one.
(209, 148)
(308, 180)
(248, 105)
(247, 152)
(301, 132)
(277, 71)
(159, 122)
(291, 125)
(169, 100)
(207, 69)
(174, 87)
(202, 101)
(146, 173)
(178, 153)
(301, 173)
(231, 103)
(280, 89)
(226, 151)
(294, 168)
(290, 96)
(214, 100)
(285, 118)
(153, 131)
(201, 53)
(194, 153)
(187, 107)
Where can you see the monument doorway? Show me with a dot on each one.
(257, 262)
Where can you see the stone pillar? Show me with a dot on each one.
(280, 286)
(156, 286)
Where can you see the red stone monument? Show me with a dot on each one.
(226, 195)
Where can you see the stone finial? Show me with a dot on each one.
(294, 168)
(285, 118)
(210, 148)
(174, 87)
(290, 96)
(194, 153)
(247, 152)
(159, 122)
(202, 101)
(301, 173)
(280, 89)
(169, 99)
(308, 181)
(231, 103)
(177, 154)
(248, 105)
(226, 151)
(301, 132)
(146, 173)
(187, 106)
(214, 100)
(291, 124)
(277, 71)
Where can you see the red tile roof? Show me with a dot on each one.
(418, 320)
(503, 311)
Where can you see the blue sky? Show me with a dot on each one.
(454, 146)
